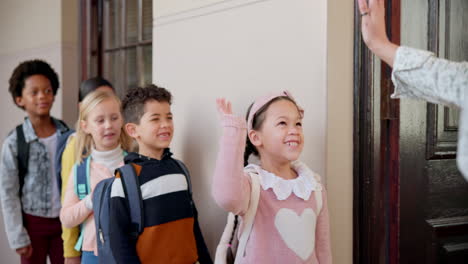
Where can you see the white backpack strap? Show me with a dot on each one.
(221, 250)
(249, 216)
(318, 199)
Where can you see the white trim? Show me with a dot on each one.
(42, 51)
(302, 186)
(207, 9)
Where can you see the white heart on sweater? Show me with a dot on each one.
(298, 232)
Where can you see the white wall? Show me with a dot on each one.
(28, 24)
(43, 29)
(239, 50)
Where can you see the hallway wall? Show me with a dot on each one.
(339, 152)
(238, 49)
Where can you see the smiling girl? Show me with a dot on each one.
(291, 220)
(100, 143)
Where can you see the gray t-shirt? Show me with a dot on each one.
(51, 145)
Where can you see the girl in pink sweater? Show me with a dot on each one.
(100, 139)
(291, 223)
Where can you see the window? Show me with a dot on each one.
(116, 39)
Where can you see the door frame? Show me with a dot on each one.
(376, 144)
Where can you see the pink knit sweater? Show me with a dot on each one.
(285, 229)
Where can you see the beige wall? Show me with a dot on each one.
(29, 24)
(241, 49)
(340, 127)
(164, 8)
(43, 29)
(236, 59)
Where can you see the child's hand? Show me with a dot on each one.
(25, 251)
(223, 106)
(73, 260)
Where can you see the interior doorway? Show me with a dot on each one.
(410, 201)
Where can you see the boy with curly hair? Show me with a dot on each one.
(171, 233)
(29, 190)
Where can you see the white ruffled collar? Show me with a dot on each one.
(306, 182)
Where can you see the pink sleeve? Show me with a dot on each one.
(74, 211)
(323, 247)
(231, 187)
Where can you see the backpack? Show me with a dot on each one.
(101, 208)
(131, 186)
(231, 243)
(23, 154)
(62, 143)
(231, 247)
(82, 187)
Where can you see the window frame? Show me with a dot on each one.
(94, 36)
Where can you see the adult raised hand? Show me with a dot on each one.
(373, 30)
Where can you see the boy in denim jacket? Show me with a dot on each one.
(31, 208)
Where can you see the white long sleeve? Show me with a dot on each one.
(420, 75)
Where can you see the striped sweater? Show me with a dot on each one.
(171, 233)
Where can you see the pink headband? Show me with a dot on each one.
(261, 101)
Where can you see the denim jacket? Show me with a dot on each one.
(37, 189)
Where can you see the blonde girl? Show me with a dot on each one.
(101, 141)
(291, 220)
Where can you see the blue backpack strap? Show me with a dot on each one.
(82, 178)
(82, 188)
(204, 255)
(101, 207)
(187, 175)
(132, 189)
(98, 198)
(61, 145)
(22, 156)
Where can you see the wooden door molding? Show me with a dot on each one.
(363, 139)
(441, 136)
(376, 170)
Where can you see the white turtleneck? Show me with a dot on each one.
(111, 159)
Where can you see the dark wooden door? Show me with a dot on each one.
(411, 203)
(433, 194)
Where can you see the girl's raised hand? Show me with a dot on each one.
(223, 106)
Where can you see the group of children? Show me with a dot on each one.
(291, 218)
